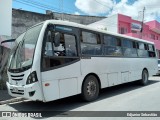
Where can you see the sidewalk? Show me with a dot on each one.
(4, 95)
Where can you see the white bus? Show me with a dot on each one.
(56, 59)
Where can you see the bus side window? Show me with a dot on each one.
(48, 51)
(67, 46)
(129, 48)
(142, 52)
(112, 45)
(90, 43)
(70, 45)
(151, 51)
(60, 48)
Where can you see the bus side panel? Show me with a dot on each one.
(105, 68)
(139, 64)
(71, 83)
(115, 70)
(63, 81)
(153, 66)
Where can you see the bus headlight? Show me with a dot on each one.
(32, 78)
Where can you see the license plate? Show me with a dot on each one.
(15, 89)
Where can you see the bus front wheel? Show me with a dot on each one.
(90, 88)
(145, 76)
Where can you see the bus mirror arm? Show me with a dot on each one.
(10, 40)
(5, 41)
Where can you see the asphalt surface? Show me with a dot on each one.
(4, 95)
(126, 97)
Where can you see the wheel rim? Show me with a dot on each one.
(145, 76)
(91, 88)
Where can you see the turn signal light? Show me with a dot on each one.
(46, 84)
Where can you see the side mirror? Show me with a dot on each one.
(56, 39)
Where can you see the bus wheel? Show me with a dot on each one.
(90, 88)
(144, 79)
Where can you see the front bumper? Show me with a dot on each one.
(31, 91)
(158, 73)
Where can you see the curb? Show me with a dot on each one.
(11, 100)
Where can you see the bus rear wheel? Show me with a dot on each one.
(90, 88)
(144, 80)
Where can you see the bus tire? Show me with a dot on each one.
(90, 88)
(144, 80)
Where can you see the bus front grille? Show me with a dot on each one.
(19, 92)
(17, 77)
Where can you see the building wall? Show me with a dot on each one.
(123, 24)
(82, 19)
(5, 17)
(151, 30)
(109, 24)
(22, 20)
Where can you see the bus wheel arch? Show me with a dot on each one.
(91, 86)
(146, 70)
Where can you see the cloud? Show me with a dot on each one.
(135, 10)
(94, 7)
(77, 13)
(111, 7)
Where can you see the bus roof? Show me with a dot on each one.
(72, 24)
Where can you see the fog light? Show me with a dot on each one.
(31, 93)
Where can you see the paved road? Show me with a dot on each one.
(126, 97)
(4, 95)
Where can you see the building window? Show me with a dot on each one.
(123, 30)
(144, 34)
(156, 37)
(153, 36)
(133, 31)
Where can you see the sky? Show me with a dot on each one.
(106, 8)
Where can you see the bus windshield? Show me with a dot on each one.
(22, 55)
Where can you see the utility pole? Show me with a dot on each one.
(142, 23)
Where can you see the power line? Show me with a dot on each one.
(101, 3)
(59, 9)
(67, 9)
(107, 3)
(42, 5)
(153, 5)
(39, 5)
(29, 5)
(34, 5)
